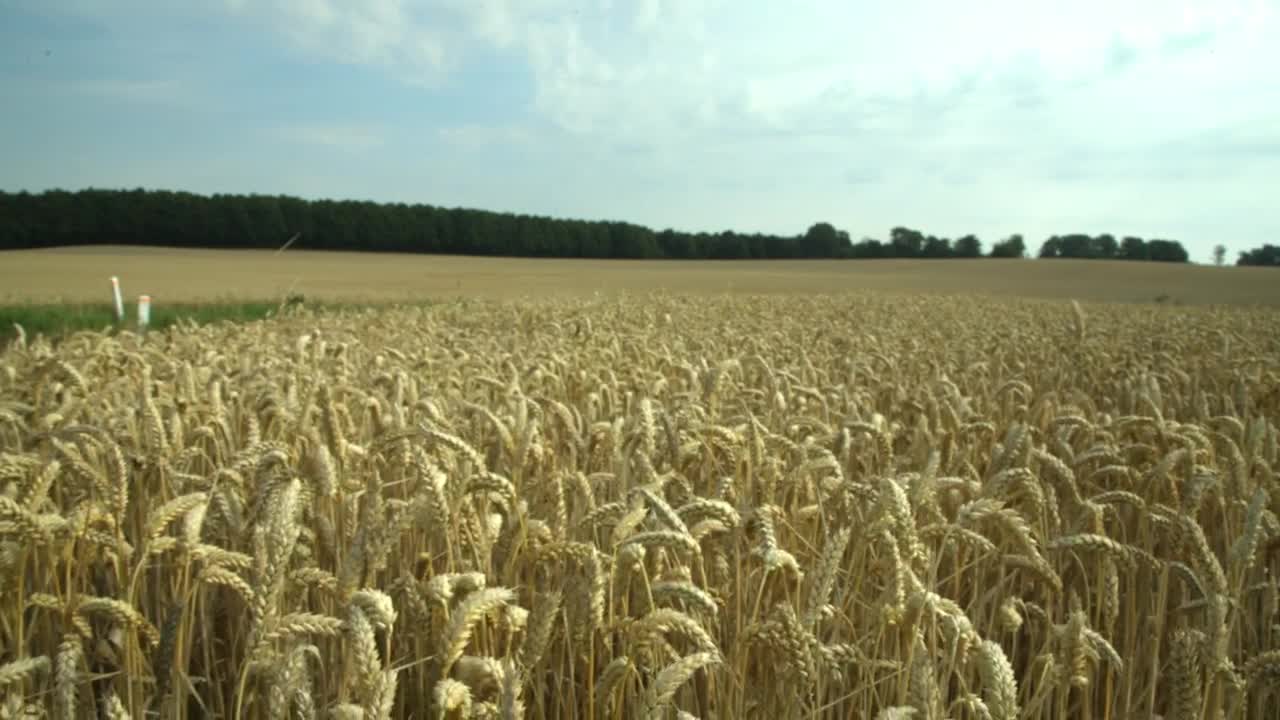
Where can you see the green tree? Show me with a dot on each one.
(1011, 247)
(1076, 245)
(935, 248)
(869, 248)
(729, 245)
(1167, 251)
(1265, 256)
(968, 246)
(905, 242)
(1105, 247)
(1219, 254)
(822, 240)
(1133, 248)
(157, 217)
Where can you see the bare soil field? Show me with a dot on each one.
(181, 275)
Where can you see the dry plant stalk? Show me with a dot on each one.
(790, 506)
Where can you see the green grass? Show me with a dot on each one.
(55, 320)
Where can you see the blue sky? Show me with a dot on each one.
(1158, 118)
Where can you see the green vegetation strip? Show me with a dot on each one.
(55, 320)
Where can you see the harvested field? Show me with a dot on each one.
(81, 273)
(864, 505)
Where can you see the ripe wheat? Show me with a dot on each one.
(845, 506)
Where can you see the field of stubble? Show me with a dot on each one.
(836, 506)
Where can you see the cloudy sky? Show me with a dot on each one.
(1158, 118)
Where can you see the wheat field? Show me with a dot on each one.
(660, 506)
(176, 275)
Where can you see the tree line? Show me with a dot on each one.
(180, 219)
(1106, 247)
(1265, 255)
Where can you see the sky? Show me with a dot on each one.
(1156, 118)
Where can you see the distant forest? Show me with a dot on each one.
(179, 219)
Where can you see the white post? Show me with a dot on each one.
(115, 290)
(144, 312)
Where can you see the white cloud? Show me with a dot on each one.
(394, 34)
(994, 117)
(675, 71)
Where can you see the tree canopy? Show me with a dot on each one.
(180, 219)
(1010, 247)
(1268, 255)
(1105, 247)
